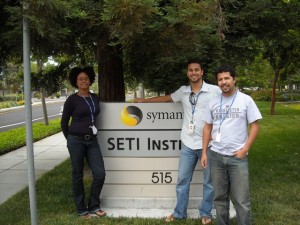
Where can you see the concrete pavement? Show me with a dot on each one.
(48, 153)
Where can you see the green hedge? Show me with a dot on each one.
(16, 138)
(12, 98)
(265, 95)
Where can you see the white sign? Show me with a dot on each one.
(140, 143)
(140, 130)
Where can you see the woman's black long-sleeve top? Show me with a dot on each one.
(79, 110)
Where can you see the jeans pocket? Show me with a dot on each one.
(241, 159)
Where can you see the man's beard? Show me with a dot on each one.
(195, 81)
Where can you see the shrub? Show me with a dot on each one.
(265, 95)
(292, 96)
(22, 102)
(282, 97)
(4, 105)
(10, 98)
(8, 104)
(37, 95)
(247, 92)
(15, 138)
(262, 95)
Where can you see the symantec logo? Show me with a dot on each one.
(131, 116)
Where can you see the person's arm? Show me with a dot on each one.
(205, 141)
(254, 129)
(65, 118)
(166, 98)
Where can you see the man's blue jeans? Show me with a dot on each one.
(89, 149)
(187, 163)
(230, 178)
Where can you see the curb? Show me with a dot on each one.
(32, 104)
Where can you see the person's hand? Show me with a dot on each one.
(241, 154)
(204, 161)
(138, 100)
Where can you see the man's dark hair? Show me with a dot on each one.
(194, 60)
(225, 68)
(77, 70)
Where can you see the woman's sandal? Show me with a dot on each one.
(206, 220)
(85, 216)
(99, 213)
(170, 218)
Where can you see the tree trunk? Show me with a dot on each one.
(110, 70)
(274, 92)
(39, 68)
(44, 107)
(141, 91)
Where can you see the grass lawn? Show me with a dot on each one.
(275, 167)
(16, 138)
(274, 163)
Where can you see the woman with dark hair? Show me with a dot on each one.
(81, 135)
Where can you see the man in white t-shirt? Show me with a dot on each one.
(194, 99)
(226, 127)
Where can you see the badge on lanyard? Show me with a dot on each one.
(191, 129)
(218, 137)
(94, 129)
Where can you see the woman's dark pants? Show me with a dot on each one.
(80, 148)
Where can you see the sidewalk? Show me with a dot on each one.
(48, 153)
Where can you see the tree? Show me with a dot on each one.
(84, 19)
(149, 40)
(150, 37)
(49, 81)
(159, 42)
(257, 73)
(274, 30)
(11, 79)
(44, 43)
(8, 42)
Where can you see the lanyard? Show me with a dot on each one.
(92, 112)
(224, 117)
(194, 106)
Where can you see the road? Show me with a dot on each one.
(16, 117)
